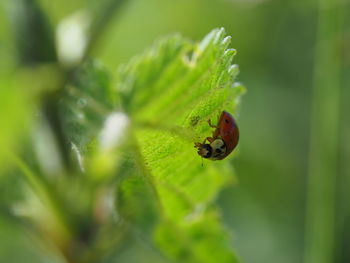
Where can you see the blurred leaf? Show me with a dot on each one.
(137, 202)
(203, 240)
(87, 100)
(33, 34)
(58, 10)
(14, 239)
(14, 115)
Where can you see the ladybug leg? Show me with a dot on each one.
(198, 144)
(211, 125)
(209, 139)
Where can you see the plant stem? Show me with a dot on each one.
(103, 16)
(46, 195)
(323, 156)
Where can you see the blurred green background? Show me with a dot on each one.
(281, 116)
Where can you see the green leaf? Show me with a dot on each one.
(15, 112)
(87, 99)
(33, 35)
(170, 92)
(201, 240)
(136, 197)
(163, 189)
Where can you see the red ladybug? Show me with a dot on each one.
(224, 140)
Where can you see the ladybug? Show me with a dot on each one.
(224, 140)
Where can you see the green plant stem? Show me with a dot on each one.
(46, 195)
(50, 111)
(102, 18)
(323, 156)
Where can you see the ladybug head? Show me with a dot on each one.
(205, 150)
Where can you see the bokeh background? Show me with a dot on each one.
(284, 61)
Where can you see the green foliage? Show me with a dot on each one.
(170, 92)
(69, 195)
(136, 202)
(87, 100)
(14, 115)
(161, 191)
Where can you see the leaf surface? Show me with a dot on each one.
(170, 92)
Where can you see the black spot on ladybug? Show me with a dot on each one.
(209, 150)
(223, 146)
(227, 121)
(194, 120)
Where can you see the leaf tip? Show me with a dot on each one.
(233, 70)
(226, 41)
(230, 52)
